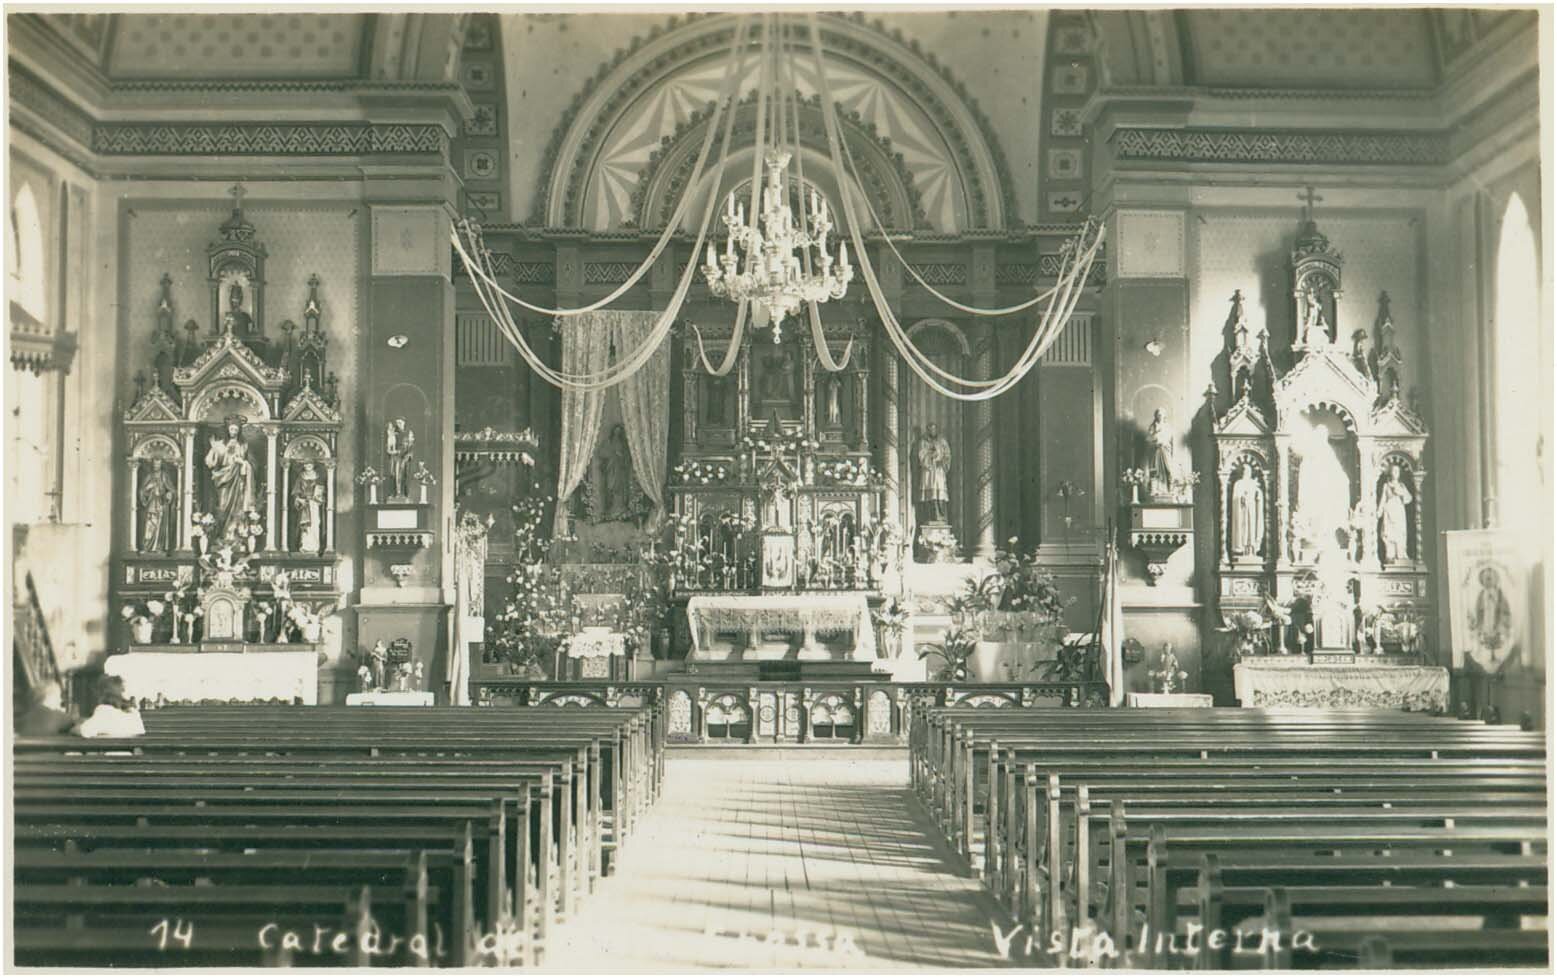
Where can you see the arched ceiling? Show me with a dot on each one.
(646, 94)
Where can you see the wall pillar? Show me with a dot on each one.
(891, 500)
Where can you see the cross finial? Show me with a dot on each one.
(237, 192)
(1309, 199)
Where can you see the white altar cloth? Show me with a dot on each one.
(410, 697)
(1167, 701)
(809, 614)
(238, 677)
(595, 644)
(1294, 682)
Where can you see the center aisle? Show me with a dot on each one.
(820, 862)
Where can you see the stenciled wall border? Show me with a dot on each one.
(1281, 146)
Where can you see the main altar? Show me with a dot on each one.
(229, 545)
(780, 544)
(1321, 552)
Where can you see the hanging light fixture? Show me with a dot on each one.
(769, 271)
(778, 262)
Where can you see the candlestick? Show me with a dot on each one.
(710, 261)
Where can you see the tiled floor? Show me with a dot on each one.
(783, 863)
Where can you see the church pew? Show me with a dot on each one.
(509, 820)
(190, 926)
(401, 877)
(376, 774)
(1493, 906)
(575, 826)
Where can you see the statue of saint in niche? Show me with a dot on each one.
(933, 453)
(1161, 469)
(158, 497)
(308, 504)
(235, 320)
(616, 476)
(778, 376)
(1394, 497)
(232, 481)
(398, 442)
(833, 392)
(1248, 514)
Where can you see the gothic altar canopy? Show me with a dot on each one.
(233, 447)
(1320, 473)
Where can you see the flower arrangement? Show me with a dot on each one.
(369, 476)
(1250, 631)
(891, 620)
(541, 611)
(780, 443)
(253, 529)
(1133, 479)
(423, 475)
(200, 526)
(307, 622)
(695, 472)
(848, 472)
(954, 649)
(142, 618)
(1167, 675)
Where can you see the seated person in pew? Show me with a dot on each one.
(44, 717)
(116, 714)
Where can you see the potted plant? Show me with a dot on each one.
(1134, 479)
(1249, 631)
(954, 650)
(1019, 614)
(369, 477)
(891, 621)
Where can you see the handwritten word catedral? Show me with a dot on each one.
(1087, 944)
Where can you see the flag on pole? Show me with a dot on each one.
(1110, 633)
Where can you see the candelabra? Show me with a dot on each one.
(770, 270)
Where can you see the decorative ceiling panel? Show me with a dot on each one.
(672, 103)
(1312, 48)
(281, 45)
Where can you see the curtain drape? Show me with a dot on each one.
(587, 344)
(646, 408)
(586, 348)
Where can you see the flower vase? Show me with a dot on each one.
(312, 632)
(373, 494)
(421, 496)
(1135, 493)
(140, 631)
(174, 640)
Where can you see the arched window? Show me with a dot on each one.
(29, 289)
(1516, 348)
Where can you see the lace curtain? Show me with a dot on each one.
(588, 345)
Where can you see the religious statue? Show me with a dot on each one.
(1313, 319)
(1161, 469)
(308, 503)
(235, 320)
(616, 477)
(232, 479)
(1248, 514)
(378, 661)
(778, 375)
(933, 453)
(1394, 497)
(157, 497)
(834, 411)
(398, 442)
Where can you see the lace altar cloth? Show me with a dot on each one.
(1420, 689)
(597, 645)
(194, 677)
(809, 615)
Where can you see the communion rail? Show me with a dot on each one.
(706, 709)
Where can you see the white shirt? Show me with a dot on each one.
(108, 721)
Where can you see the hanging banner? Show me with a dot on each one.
(1489, 594)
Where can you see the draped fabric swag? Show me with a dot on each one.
(590, 343)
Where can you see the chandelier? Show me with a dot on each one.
(774, 269)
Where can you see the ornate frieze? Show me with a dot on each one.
(265, 139)
(1281, 147)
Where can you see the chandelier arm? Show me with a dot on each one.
(916, 360)
(599, 380)
(730, 84)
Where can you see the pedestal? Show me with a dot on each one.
(935, 543)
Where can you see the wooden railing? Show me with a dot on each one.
(30, 638)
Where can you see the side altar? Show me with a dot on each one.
(229, 542)
(1321, 549)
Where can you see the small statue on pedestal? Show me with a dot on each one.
(1394, 497)
(398, 442)
(1248, 514)
(378, 660)
(1161, 469)
(157, 498)
(933, 453)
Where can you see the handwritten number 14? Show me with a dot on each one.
(180, 930)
